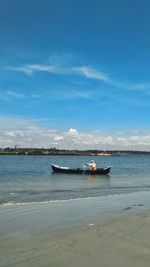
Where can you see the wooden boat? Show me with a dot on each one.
(59, 169)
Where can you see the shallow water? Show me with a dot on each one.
(25, 179)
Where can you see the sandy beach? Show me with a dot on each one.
(123, 240)
(48, 234)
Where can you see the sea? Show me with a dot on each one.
(36, 204)
(29, 179)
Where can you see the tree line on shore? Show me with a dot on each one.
(55, 151)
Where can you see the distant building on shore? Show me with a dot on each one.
(104, 153)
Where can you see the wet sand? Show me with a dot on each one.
(120, 240)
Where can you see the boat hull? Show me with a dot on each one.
(59, 169)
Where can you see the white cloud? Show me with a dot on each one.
(30, 69)
(108, 140)
(11, 134)
(140, 140)
(15, 94)
(58, 138)
(10, 95)
(66, 64)
(84, 71)
(25, 133)
(92, 73)
(72, 133)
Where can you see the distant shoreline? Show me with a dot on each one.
(66, 152)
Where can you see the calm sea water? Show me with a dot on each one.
(25, 179)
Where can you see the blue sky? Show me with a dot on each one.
(75, 74)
